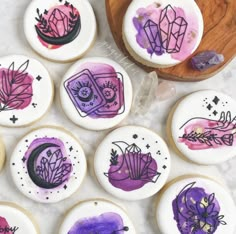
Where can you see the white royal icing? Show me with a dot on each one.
(132, 163)
(146, 30)
(48, 165)
(60, 30)
(26, 90)
(96, 93)
(196, 202)
(207, 133)
(2, 154)
(14, 220)
(97, 216)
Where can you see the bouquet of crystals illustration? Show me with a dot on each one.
(201, 133)
(54, 169)
(15, 87)
(196, 212)
(96, 95)
(132, 169)
(58, 26)
(166, 35)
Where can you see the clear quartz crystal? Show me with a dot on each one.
(146, 93)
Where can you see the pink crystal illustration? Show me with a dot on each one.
(58, 26)
(131, 169)
(201, 133)
(16, 89)
(165, 30)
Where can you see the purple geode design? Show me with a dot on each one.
(97, 91)
(196, 212)
(132, 169)
(107, 223)
(165, 30)
(47, 163)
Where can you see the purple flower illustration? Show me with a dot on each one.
(196, 212)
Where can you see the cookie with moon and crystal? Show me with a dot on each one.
(16, 220)
(2, 154)
(60, 30)
(132, 163)
(97, 216)
(197, 205)
(26, 91)
(96, 93)
(48, 165)
(207, 133)
(162, 33)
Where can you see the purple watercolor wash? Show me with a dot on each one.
(47, 163)
(97, 91)
(107, 223)
(196, 212)
(132, 169)
(166, 30)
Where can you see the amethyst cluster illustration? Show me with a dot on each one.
(15, 87)
(197, 212)
(131, 169)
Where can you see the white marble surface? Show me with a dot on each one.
(49, 216)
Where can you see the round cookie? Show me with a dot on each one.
(97, 216)
(195, 205)
(162, 33)
(26, 91)
(48, 165)
(2, 154)
(207, 133)
(14, 219)
(96, 93)
(60, 30)
(132, 163)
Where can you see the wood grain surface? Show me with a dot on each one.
(219, 35)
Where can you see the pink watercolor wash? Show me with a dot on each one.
(5, 226)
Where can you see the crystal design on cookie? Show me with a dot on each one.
(196, 211)
(47, 163)
(58, 26)
(105, 223)
(167, 30)
(97, 91)
(16, 89)
(132, 168)
(205, 133)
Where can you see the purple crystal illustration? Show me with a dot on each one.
(107, 223)
(47, 163)
(131, 169)
(196, 211)
(166, 30)
(97, 91)
(58, 25)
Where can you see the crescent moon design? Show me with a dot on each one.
(31, 166)
(61, 40)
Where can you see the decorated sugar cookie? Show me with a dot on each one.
(2, 154)
(162, 33)
(96, 93)
(195, 205)
(26, 91)
(16, 220)
(48, 165)
(60, 30)
(98, 216)
(132, 163)
(207, 133)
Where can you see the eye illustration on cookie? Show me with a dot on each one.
(22, 82)
(132, 163)
(207, 134)
(96, 93)
(58, 25)
(48, 165)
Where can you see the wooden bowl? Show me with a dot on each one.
(219, 35)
